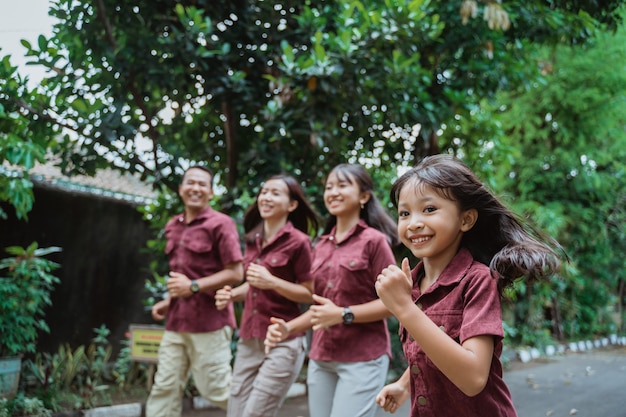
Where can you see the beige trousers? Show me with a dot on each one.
(206, 356)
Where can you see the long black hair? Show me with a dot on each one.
(372, 212)
(303, 217)
(501, 239)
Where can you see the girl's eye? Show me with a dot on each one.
(403, 213)
(429, 209)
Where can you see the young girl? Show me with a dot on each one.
(471, 247)
(350, 346)
(277, 261)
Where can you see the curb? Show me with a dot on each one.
(137, 409)
(526, 355)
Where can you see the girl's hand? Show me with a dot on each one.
(223, 297)
(258, 276)
(325, 313)
(276, 333)
(392, 396)
(394, 286)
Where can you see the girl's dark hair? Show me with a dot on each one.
(501, 239)
(372, 212)
(303, 217)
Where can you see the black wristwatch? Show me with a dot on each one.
(347, 315)
(194, 287)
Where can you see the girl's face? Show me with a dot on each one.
(274, 201)
(342, 195)
(430, 225)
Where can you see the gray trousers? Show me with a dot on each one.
(340, 389)
(260, 382)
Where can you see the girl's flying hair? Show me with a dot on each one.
(501, 239)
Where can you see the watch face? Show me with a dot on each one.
(194, 286)
(348, 316)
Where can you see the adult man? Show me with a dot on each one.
(204, 255)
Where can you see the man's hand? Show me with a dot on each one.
(178, 285)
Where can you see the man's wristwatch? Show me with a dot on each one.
(347, 315)
(194, 287)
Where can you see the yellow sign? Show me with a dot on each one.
(144, 342)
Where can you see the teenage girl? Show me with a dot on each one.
(350, 347)
(471, 247)
(277, 262)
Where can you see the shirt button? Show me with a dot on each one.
(182, 243)
(442, 328)
(254, 294)
(274, 260)
(411, 338)
(415, 370)
(421, 400)
(329, 285)
(254, 311)
(352, 263)
(331, 238)
(419, 305)
(258, 260)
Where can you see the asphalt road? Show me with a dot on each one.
(587, 384)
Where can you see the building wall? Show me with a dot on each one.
(103, 264)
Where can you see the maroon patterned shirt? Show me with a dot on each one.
(199, 249)
(346, 274)
(464, 302)
(287, 256)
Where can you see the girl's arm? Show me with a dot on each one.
(258, 276)
(466, 366)
(326, 313)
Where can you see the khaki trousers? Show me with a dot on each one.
(206, 356)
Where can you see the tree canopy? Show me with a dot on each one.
(255, 87)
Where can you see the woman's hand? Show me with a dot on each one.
(258, 276)
(276, 333)
(325, 313)
(223, 296)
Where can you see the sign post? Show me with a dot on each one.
(144, 346)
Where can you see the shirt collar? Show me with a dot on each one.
(453, 273)
(361, 225)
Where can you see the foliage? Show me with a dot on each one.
(80, 378)
(255, 87)
(24, 294)
(23, 406)
(566, 171)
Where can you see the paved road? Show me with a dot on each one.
(590, 384)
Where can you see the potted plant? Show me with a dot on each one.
(26, 282)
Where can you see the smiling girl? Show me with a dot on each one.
(350, 345)
(277, 262)
(471, 247)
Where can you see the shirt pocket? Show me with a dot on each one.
(199, 246)
(449, 321)
(276, 260)
(354, 264)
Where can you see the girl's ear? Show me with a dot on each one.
(293, 204)
(364, 198)
(468, 219)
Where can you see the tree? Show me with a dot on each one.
(252, 87)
